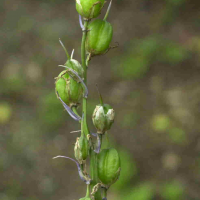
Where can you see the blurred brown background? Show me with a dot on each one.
(152, 80)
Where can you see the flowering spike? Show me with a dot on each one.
(81, 23)
(108, 10)
(63, 46)
(79, 168)
(81, 80)
(68, 109)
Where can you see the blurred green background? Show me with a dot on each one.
(152, 80)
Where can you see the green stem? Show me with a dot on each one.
(83, 59)
(93, 156)
(108, 10)
(75, 111)
(107, 140)
(104, 193)
(101, 139)
(63, 46)
(88, 59)
(88, 191)
(83, 51)
(100, 97)
(94, 173)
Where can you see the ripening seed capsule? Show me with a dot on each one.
(103, 118)
(108, 166)
(69, 90)
(98, 37)
(81, 149)
(89, 8)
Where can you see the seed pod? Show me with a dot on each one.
(103, 117)
(81, 149)
(70, 91)
(89, 8)
(99, 37)
(108, 166)
(85, 198)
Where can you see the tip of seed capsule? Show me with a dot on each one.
(72, 54)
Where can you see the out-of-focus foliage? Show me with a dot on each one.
(134, 64)
(177, 135)
(172, 191)
(5, 112)
(151, 80)
(144, 191)
(160, 122)
(142, 53)
(49, 109)
(128, 173)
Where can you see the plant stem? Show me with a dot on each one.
(93, 155)
(94, 173)
(63, 46)
(83, 59)
(104, 193)
(75, 111)
(88, 191)
(108, 10)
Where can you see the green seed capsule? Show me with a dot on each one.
(99, 37)
(85, 198)
(69, 89)
(103, 118)
(81, 149)
(108, 166)
(89, 8)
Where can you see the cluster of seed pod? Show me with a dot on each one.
(70, 89)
